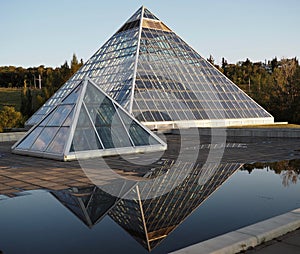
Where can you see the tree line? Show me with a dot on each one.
(289, 170)
(274, 84)
(32, 95)
(52, 78)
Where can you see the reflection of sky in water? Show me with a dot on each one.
(39, 223)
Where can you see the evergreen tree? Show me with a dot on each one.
(75, 65)
(26, 102)
(211, 59)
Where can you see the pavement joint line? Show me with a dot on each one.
(266, 230)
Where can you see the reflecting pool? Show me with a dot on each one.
(203, 203)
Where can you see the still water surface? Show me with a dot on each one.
(86, 220)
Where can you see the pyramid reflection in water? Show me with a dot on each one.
(148, 221)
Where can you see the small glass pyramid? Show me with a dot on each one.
(86, 124)
(156, 76)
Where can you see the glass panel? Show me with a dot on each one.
(27, 142)
(45, 121)
(138, 135)
(149, 15)
(85, 137)
(109, 127)
(73, 96)
(44, 138)
(59, 115)
(69, 118)
(58, 143)
(93, 95)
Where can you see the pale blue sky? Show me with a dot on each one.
(36, 32)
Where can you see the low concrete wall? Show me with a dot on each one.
(208, 123)
(254, 132)
(231, 132)
(265, 132)
(11, 136)
(244, 238)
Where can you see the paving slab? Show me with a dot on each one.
(278, 248)
(293, 240)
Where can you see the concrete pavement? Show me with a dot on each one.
(289, 244)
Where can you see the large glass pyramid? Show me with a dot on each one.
(161, 80)
(87, 123)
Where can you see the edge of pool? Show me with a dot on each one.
(250, 236)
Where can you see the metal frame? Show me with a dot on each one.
(75, 117)
(136, 61)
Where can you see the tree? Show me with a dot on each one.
(10, 118)
(284, 90)
(65, 72)
(224, 64)
(295, 106)
(26, 102)
(75, 65)
(274, 64)
(211, 59)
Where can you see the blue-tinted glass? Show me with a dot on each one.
(58, 143)
(59, 115)
(28, 141)
(44, 139)
(85, 137)
(149, 15)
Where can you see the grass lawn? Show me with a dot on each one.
(10, 97)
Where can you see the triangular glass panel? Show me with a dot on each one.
(149, 15)
(105, 118)
(139, 135)
(85, 137)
